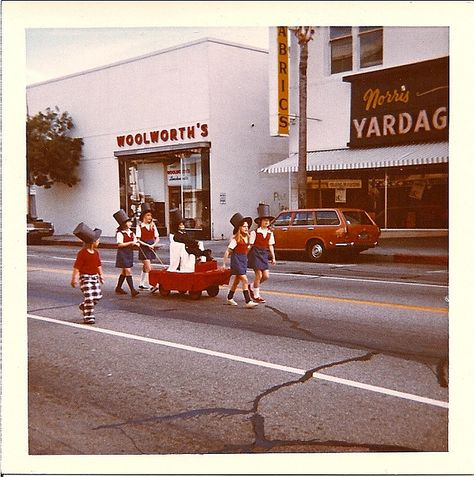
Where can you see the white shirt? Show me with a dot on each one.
(149, 226)
(120, 235)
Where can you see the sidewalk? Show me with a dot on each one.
(422, 250)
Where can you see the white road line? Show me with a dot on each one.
(256, 362)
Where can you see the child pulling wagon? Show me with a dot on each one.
(148, 238)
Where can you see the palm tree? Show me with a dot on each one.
(304, 35)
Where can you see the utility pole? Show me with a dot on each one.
(304, 34)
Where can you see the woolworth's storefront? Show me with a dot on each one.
(170, 129)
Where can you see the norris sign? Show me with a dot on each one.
(400, 105)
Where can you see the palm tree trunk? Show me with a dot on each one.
(302, 130)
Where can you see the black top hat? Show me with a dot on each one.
(175, 219)
(238, 219)
(144, 208)
(86, 234)
(121, 217)
(263, 211)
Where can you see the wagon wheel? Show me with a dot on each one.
(163, 291)
(195, 295)
(213, 290)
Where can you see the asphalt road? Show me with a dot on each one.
(341, 358)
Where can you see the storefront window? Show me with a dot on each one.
(189, 190)
(166, 181)
(396, 198)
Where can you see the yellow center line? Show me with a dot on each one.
(301, 295)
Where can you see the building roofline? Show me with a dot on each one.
(148, 55)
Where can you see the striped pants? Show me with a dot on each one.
(90, 288)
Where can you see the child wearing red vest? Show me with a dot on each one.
(262, 251)
(88, 268)
(126, 241)
(148, 238)
(237, 250)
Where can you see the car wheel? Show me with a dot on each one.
(315, 251)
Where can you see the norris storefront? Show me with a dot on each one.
(396, 162)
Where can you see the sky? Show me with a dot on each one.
(56, 52)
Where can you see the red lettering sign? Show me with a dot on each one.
(174, 134)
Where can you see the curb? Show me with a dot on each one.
(389, 258)
(421, 259)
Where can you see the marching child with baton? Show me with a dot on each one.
(148, 238)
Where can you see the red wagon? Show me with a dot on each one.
(207, 276)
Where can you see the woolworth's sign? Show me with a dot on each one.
(400, 105)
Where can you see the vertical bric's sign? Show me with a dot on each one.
(278, 81)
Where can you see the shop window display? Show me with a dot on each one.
(167, 181)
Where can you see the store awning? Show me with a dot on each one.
(343, 159)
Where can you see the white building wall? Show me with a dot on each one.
(241, 141)
(329, 97)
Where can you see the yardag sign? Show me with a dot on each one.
(400, 105)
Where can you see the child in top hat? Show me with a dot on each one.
(237, 250)
(126, 241)
(180, 235)
(88, 268)
(262, 242)
(148, 238)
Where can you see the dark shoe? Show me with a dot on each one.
(135, 293)
(89, 321)
(120, 291)
(259, 299)
(81, 307)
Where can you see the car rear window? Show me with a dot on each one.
(304, 218)
(327, 217)
(283, 219)
(357, 217)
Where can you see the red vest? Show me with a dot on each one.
(261, 241)
(147, 234)
(128, 238)
(242, 247)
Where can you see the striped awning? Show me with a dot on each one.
(380, 157)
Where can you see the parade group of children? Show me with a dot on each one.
(253, 250)
(246, 250)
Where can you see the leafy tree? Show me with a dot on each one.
(52, 155)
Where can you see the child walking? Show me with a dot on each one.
(126, 241)
(88, 268)
(237, 250)
(148, 238)
(262, 242)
